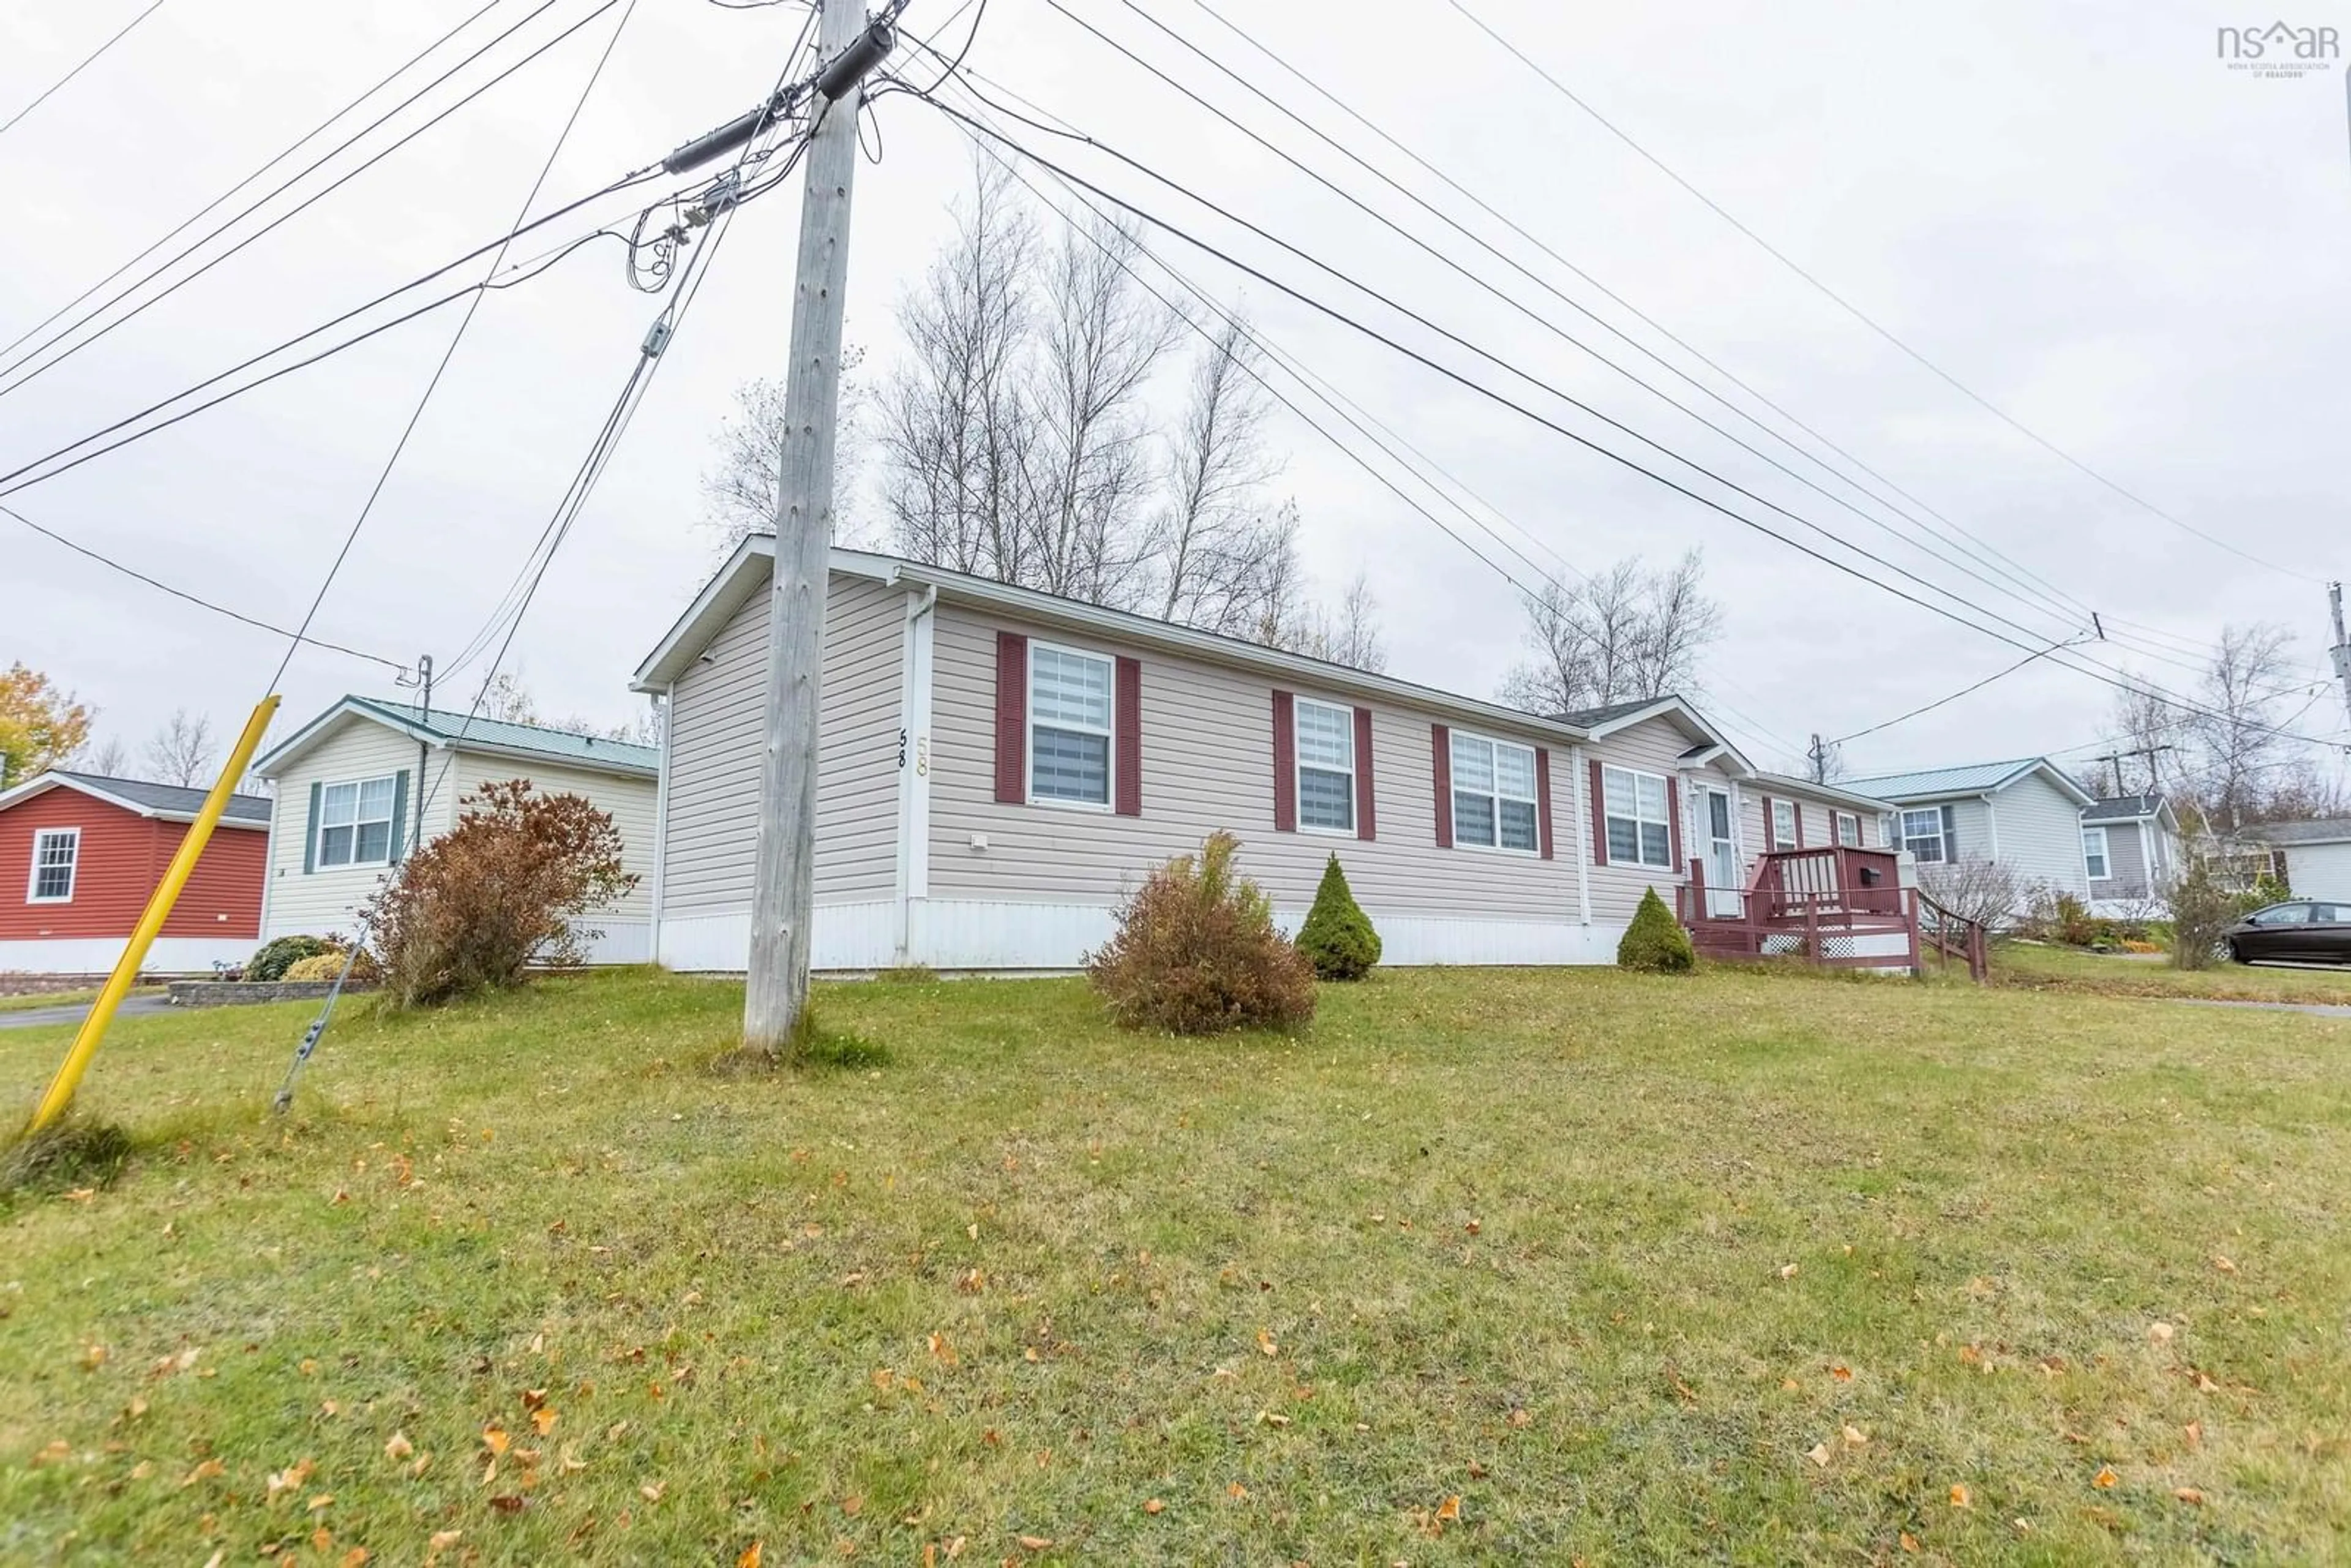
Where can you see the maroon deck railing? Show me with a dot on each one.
(1832, 904)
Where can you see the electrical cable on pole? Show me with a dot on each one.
(87, 61)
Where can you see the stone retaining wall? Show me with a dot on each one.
(241, 993)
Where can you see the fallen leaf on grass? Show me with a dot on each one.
(93, 1356)
(1787, 1271)
(1155, 1506)
(652, 1491)
(290, 1478)
(2105, 1479)
(1842, 1373)
(1450, 1509)
(495, 1439)
(2161, 1332)
(1265, 1343)
(1960, 1498)
(749, 1556)
(1854, 1437)
(542, 1420)
(2189, 1496)
(943, 1351)
(325, 1500)
(445, 1538)
(2223, 1265)
(853, 1506)
(1273, 1418)
(1036, 1542)
(398, 1447)
(1910, 1542)
(1237, 1491)
(211, 1469)
(1818, 1453)
(2194, 1433)
(510, 1503)
(1521, 1419)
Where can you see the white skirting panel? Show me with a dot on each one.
(854, 937)
(96, 955)
(620, 941)
(975, 934)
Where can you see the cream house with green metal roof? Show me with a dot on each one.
(366, 779)
(2024, 813)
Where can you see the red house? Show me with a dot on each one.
(79, 854)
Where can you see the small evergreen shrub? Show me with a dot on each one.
(2201, 913)
(1337, 937)
(273, 958)
(1196, 953)
(1655, 942)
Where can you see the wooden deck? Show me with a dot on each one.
(1832, 904)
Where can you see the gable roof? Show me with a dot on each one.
(1836, 792)
(496, 737)
(1968, 779)
(2335, 830)
(2127, 809)
(163, 802)
(748, 572)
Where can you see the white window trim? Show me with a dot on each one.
(1109, 803)
(1787, 841)
(1453, 791)
(1298, 768)
(358, 789)
(2104, 856)
(1837, 819)
(73, 877)
(1903, 834)
(1638, 820)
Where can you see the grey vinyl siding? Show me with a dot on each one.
(1208, 763)
(1819, 822)
(2041, 835)
(2320, 870)
(628, 798)
(1653, 745)
(716, 754)
(2125, 861)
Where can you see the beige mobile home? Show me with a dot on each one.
(999, 767)
(365, 779)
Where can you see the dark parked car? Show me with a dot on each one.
(2303, 932)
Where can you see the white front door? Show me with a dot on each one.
(1722, 893)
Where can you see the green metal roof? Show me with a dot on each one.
(556, 745)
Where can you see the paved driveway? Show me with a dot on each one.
(36, 1018)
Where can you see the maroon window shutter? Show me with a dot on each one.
(1130, 737)
(1674, 821)
(1285, 764)
(1599, 818)
(1012, 718)
(1770, 824)
(1799, 806)
(1542, 798)
(1440, 741)
(1366, 819)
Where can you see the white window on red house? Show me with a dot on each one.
(56, 854)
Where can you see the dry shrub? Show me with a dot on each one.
(1197, 952)
(2201, 913)
(328, 966)
(475, 908)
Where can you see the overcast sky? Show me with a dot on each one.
(2079, 211)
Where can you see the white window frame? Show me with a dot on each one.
(1454, 791)
(1784, 838)
(1664, 820)
(42, 837)
(1109, 802)
(391, 819)
(1298, 765)
(1841, 819)
(2103, 859)
(1906, 838)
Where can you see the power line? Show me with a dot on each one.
(2095, 671)
(13, 480)
(111, 564)
(1963, 691)
(471, 306)
(1864, 317)
(325, 190)
(275, 158)
(87, 61)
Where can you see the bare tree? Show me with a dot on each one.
(183, 752)
(1625, 634)
(508, 701)
(954, 431)
(1100, 338)
(2235, 730)
(1213, 540)
(1987, 891)
(109, 759)
(2144, 723)
(739, 490)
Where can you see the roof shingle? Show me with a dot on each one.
(170, 798)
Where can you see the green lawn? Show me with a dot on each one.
(29, 999)
(2074, 969)
(1751, 1267)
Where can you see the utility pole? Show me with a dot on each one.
(2342, 649)
(784, 877)
(423, 751)
(1820, 756)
